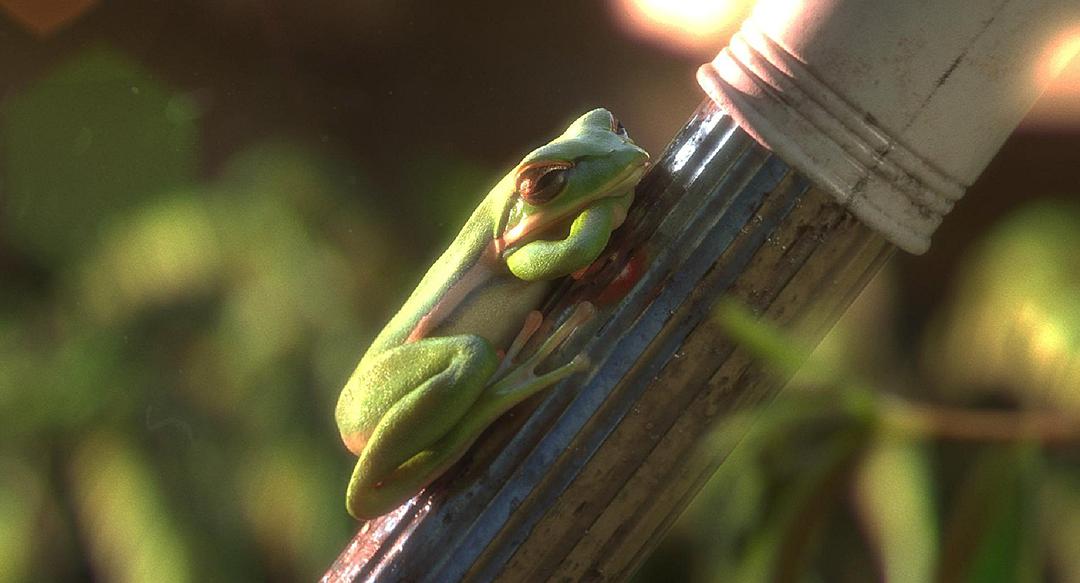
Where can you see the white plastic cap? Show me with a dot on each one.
(895, 107)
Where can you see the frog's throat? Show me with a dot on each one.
(472, 278)
(519, 231)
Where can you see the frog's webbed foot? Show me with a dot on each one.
(516, 382)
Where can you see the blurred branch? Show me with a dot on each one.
(786, 355)
(965, 424)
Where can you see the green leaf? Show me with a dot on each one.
(992, 534)
(894, 501)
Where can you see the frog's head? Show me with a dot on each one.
(594, 159)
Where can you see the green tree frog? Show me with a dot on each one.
(444, 368)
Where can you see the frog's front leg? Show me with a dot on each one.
(589, 234)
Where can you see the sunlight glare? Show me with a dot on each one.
(690, 26)
(1063, 54)
(1059, 71)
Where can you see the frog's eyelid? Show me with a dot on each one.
(549, 164)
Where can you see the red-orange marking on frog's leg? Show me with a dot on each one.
(621, 285)
(580, 274)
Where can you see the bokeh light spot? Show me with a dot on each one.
(1059, 72)
(691, 26)
(1063, 53)
(162, 254)
(45, 17)
(1016, 326)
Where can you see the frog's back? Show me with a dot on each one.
(444, 273)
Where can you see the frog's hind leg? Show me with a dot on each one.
(441, 380)
(520, 383)
(366, 500)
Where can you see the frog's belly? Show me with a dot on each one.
(495, 310)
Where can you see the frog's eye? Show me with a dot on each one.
(540, 183)
(617, 127)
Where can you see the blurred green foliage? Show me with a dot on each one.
(1015, 327)
(65, 138)
(171, 347)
